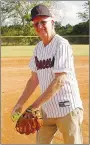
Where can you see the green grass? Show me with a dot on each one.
(20, 51)
(16, 51)
(80, 50)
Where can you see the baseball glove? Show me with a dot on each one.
(29, 122)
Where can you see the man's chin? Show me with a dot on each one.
(43, 36)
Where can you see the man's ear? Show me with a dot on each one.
(52, 21)
(53, 24)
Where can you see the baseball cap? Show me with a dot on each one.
(40, 10)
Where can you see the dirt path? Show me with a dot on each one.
(14, 75)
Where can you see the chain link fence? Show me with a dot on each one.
(33, 40)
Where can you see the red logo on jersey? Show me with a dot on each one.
(42, 64)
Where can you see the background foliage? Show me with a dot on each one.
(19, 13)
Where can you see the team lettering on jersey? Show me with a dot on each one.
(42, 64)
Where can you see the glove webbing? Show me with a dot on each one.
(35, 112)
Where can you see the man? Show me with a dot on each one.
(53, 69)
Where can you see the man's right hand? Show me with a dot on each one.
(16, 112)
(17, 108)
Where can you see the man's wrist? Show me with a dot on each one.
(31, 109)
(20, 103)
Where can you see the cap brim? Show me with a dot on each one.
(39, 15)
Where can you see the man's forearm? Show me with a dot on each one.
(29, 89)
(55, 85)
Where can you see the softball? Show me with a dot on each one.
(15, 116)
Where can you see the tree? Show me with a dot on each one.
(84, 16)
(81, 28)
(57, 27)
(69, 29)
(18, 11)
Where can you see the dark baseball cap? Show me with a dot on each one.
(40, 10)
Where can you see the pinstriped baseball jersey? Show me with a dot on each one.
(56, 57)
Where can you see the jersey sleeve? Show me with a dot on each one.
(32, 64)
(63, 59)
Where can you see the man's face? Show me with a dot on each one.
(43, 26)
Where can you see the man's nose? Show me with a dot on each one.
(40, 25)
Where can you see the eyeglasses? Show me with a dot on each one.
(43, 23)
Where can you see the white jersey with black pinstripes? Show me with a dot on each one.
(56, 57)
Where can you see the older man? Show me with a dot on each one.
(53, 69)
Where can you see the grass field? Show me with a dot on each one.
(17, 51)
